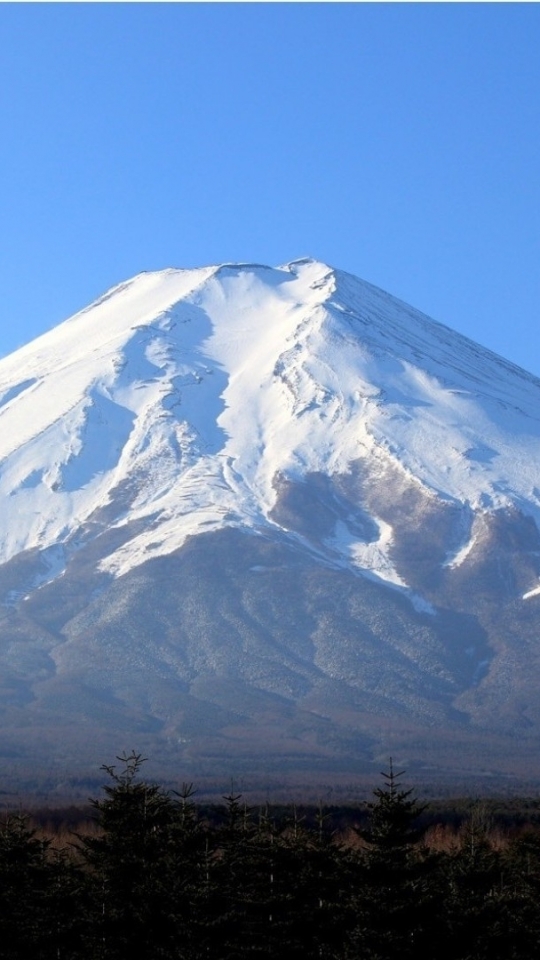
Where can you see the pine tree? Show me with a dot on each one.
(42, 897)
(309, 894)
(23, 884)
(235, 901)
(391, 897)
(186, 878)
(392, 817)
(475, 918)
(128, 864)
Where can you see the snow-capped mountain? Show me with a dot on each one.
(273, 514)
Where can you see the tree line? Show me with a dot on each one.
(159, 882)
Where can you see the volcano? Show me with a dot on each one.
(268, 522)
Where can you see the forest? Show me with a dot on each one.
(160, 879)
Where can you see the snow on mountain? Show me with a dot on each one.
(258, 519)
(183, 398)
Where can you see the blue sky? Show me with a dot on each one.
(400, 142)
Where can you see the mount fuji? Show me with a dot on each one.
(267, 521)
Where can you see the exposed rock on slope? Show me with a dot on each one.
(267, 519)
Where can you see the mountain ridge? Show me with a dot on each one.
(255, 511)
(405, 384)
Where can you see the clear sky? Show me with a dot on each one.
(400, 142)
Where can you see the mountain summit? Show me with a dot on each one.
(267, 519)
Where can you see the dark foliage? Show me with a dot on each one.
(160, 880)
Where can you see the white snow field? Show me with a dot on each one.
(185, 395)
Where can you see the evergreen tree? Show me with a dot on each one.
(42, 897)
(310, 894)
(236, 901)
(392, 899)
(187, 874)
(23, 885)
(475, 906)
(392, 816)
(131, 866)
(518, 925)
